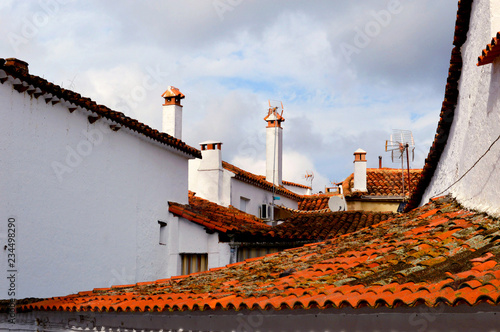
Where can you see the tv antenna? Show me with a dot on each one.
(401, 145)
(309, 177)
(276, 106)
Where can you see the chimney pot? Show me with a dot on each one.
(210, 172)
(172, 112)
(379, 161)
(359, 170)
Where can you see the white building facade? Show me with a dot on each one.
(475, 126)
(220, 182)
(85, 189)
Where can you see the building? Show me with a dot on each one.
(377, 189)
(68, 159)
(468, 123)
(266, 197)
(433, 268)
(226, 235)
(367, 189)
(86, 186)
(397, 276)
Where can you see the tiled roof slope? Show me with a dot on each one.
(321, 225)
(36, 86)
(259, 181)
(436, 254)
(382, 182)
(218, 218)
(449, 104)
(491, 52)
(314, 202)
(310, 226)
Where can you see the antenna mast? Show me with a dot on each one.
(401, 143)
(309, 177)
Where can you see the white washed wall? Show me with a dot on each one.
(256, 196)
(191, 238)
(98, 224)
(233, 189)
(476, 123)
(298, 190)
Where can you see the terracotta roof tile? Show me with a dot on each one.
(376, 266)
(218, 218)
(491, 52)
(326, 225)
(259, 181)
(382, 182)
(310, 226)
(37, 86)
(449, 104)
(314, 202)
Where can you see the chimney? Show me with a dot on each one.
(379, 161)
(359, 170)
(274, 146)
(210, 172)
(172, 112)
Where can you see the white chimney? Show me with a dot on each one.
(359, 170)
(172, 112)
(274, 146)
(210, 172)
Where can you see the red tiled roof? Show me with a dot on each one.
(491, 52)
(448, 108)
(36, 86)
(321, 225)
(314, 202)
(259, 181)
(310, 226)
(436, 254)
(382, 182)
(218, 218)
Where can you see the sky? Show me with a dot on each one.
(347, 72)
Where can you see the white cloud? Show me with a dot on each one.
(295, 167)
(228, 68)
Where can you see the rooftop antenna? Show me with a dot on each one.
(309, 177)
(401, 145)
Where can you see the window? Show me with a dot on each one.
(192, 263)
(246, 252)
(265, 211)
(163, 233)
(244, 204)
